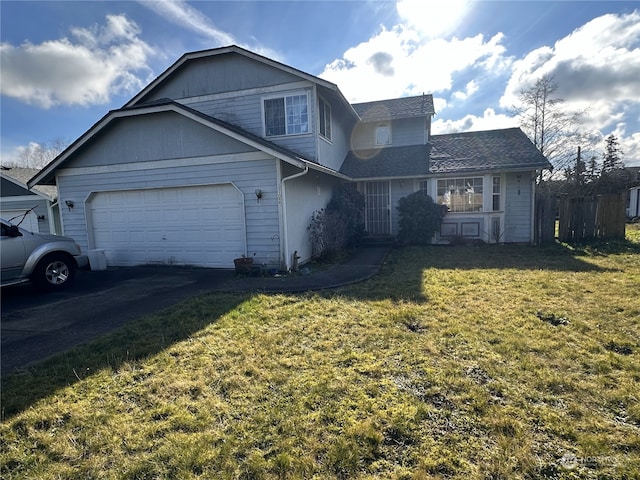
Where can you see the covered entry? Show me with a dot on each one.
(377, 210)
(200, 225)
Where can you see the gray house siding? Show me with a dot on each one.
(245, 110)
(15, 199)
(332, 153)
(262, 217)
(219, 74)
(157, 136)
(404, 132)
(518, 204)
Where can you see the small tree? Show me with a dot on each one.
(420, 218)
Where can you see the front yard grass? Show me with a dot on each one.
(498, 362)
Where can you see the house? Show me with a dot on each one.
(229, 153)
(633, 195)
(37, 205)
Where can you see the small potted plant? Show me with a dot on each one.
(243, 264)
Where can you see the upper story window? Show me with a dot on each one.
(383, 134)
(325, 119)
(461, 194)
(286, 115)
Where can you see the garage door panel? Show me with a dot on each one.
(187, 225)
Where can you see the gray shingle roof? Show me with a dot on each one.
(395, 108)
(488, 150)
(22, 175)
(453, 153)
(408, 161)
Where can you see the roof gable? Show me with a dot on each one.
(18, 177)
(46, 175)
(395, 108)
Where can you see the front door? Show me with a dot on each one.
(377, 211)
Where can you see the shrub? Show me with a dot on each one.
(339, 226)
(420, 218)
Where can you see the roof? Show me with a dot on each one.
(395, 108)
(506, 149)
(410, 161)
(20, 176)
(46, 175)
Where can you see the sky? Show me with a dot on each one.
(65, 64)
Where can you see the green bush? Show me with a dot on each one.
(420, 218)
(339, 226)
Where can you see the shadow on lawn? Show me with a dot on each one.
(400, 279)
(137, 340)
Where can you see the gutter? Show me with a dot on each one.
(285, 235)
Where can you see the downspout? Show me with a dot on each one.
(284, 213)
(532, 231)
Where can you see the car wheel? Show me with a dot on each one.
(54, 272)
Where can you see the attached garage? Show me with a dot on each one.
(197, 225)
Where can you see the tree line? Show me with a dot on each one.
(557, 134)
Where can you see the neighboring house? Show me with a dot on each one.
(17, 199)
(229, 153)
(633, 195)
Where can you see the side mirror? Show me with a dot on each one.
(14, 231)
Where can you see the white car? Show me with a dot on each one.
(49, 261)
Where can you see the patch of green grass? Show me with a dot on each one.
(441, 366)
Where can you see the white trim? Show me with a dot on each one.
(172, 163)
(242, 93)
(284, 95)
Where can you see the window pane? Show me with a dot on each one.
(297, 115)
(461, 194)
(274, 117)
(383, 135)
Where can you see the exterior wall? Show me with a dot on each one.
(409, 131)
(262, 218)
(244, 109)
(304, 196)
(332, 153)
(156, 136)
(46, 222)
(16, 198)
(219, 74)
(634, 202)
(519, 191)
(514, 215)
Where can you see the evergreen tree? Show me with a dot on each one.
(612, 156)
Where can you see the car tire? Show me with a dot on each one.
(55, 271)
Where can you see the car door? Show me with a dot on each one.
(12, 254)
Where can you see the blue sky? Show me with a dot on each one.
(64, 64)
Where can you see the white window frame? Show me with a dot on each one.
(287, 126)
(324, 119)
(467, 196)
(381, 127)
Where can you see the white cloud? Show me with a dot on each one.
(400, 61)
(596, 67)
(490, 120)
(102, 61)
(470, 89)
(184, 15)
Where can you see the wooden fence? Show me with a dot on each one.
(579, 218)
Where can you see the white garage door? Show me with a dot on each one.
(202, 226)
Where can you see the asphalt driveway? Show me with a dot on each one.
(37, 325)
